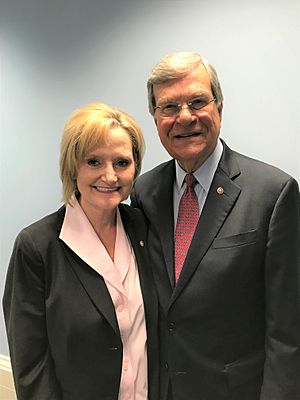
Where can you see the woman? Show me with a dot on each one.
(79, 294)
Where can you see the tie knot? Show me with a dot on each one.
(190, 180)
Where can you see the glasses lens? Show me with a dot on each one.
(198, 103)
(170, 109)
(173, 109)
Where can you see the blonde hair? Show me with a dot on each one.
(87, 128)
(176, 66)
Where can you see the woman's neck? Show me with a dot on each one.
(104, 223)
(107, 234)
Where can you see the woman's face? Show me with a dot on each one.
(105, 177)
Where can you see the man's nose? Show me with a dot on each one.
(185, 116)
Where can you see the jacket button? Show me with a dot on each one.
(171, 326)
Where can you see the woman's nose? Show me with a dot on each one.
(110, 175)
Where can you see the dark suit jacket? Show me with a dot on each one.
(62, 329)
(230, 328)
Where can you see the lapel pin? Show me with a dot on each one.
(220, 190)
(142, 244)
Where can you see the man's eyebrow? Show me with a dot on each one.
(196, 93)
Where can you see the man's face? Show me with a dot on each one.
(188, 137)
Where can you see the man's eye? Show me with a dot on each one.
(170, 107)
(198, 103)
(93, 162)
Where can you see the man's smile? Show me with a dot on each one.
(187, 134)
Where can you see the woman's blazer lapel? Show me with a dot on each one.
(92, 282)
(136, 229)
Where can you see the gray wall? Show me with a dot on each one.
(59, 55)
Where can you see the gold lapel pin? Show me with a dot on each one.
(142, 244)
(220, 190)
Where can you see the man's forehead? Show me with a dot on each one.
(196, 82)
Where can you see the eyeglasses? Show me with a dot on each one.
(172, 109)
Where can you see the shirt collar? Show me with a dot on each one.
(205, 173)
(79, 235)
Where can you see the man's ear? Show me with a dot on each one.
(220, 110)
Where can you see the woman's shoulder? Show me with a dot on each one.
(132, 212)
(44, 227)
(132, 215)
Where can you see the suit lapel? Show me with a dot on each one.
(221, 198)
(163, 219)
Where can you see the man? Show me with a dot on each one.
(230, 307)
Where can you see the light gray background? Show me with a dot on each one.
(59, 55)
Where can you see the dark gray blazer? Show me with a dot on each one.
(230, 328)
(62, 329)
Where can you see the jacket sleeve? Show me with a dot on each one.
(25, 318)
(282, 285)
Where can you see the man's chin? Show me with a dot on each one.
(192, 159)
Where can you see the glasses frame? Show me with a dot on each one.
(179, 105)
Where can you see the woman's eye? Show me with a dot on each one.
(93, 162)
(122, 163)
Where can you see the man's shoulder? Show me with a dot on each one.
(261, 169)
(251, 168)
(156, 172)
(149, 182)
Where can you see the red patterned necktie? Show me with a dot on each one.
(187, 220)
